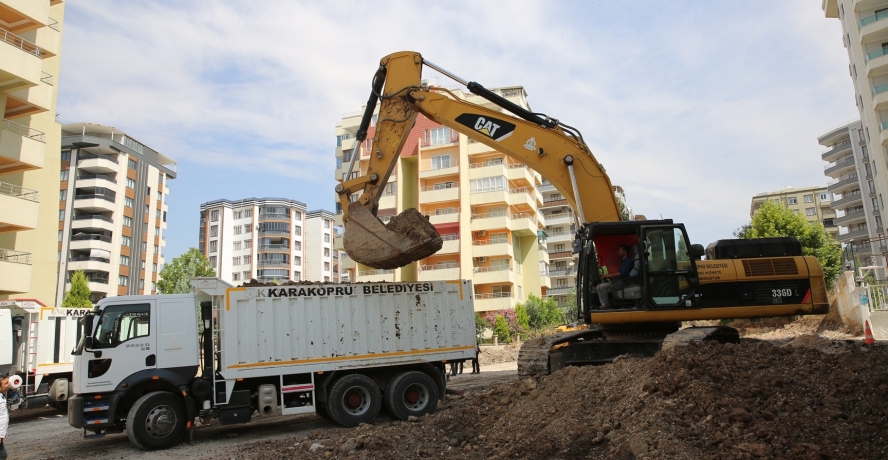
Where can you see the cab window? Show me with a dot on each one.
(120, 323)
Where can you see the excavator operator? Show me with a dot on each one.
(620, 279)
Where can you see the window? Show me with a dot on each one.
(156, 231)
(154, 268)
(346, 155)
(235, 277)
(248, 213)
(440, 161)
(157, 213)
(326, 279)
(488, 184)
(809, 198)
(438, 136)
(825, 197)
(810, 211)
(156, 249)
(297, 215)
(795, 211)
(326, 223)
(444, 185)
(326, 266)
(875, 204)
(237, 229)
(60, 235)
(131, 164)
(237, 245)
(793, 200)
(828, 222)
(214, 216)
(248, 244)
(122, 281)
(61, 215)
(246, 275)
(64, 175)
(147, 209)
(66, 155)
(141, 284)
(144, 246)
(390, 189)
(126, 241)
(164, 216)
(63, 195)
(127, 221)
(160, 178)
(238, 214)
(338, 162)
(213, 261)
(326, 237)
(326, 252)
(297, 261)
(124, 260)
(128, 202)
(130, 183)
(122, 323)
(248, 228)
(297, 276)
(297, 245)
(297, 230)
(214, 231)
(214, 246)
(235, 260)
(160, 196)
(872, 186)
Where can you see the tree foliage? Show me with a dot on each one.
(78, 295)
(541, 313)
(176, 275)
(772, 220)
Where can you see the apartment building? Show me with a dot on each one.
(485, 205)
(865, 37)
(267, 239)
(814, 203)
(30, 140)
(112, 211)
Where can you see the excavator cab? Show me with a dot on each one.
(663, 274)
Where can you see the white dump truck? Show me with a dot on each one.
(342, 351)
(35, 344)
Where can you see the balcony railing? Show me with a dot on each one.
(454, 138)
(18, 257)
(841, 179)
(266, 263)
(87, 237)
(493, 295)
(274, 246)
(492, 268)
(273, 215)
(46, 78)
(430, 188)
(564, 272)
(561, 290)
(93, 216)
(95, 196)
(86, 259)
(876, 17)
(430, 165)
(89, 279)
(274, 232)
(486, 164)
(559, 202)
(53, 24)
(846, 159)
(20, 43)
(441, 212)
(24, 131)
(440, 266)
(18, 191)
(450, 237)
(93, 156)
(524, 215)
(880, 89)
(374, 272)
(490, 214)
(85, 176)
(490, 241)
(560, 255)
(877, 53)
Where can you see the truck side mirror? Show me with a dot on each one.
(88, 330)
(697, 251)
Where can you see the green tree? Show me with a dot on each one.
(772, 220)
(522, 318)
(624, 211)
(541, 313)
(78, 295)
(501, 329)
(176, 275)
(480, 325)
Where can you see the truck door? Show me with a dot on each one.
(670, 274)
(123, 343)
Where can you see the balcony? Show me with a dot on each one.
(554, 203)
(559, 219)
(21, 148)
(523, 198)
(833, 152)
(491, 247)
(18, 208)
(97, 164)
(274, 232)
(273, 263)
(520, 172)
(452, 140)
(562, 272)
(15, 272)
(561, 290)
(880, 97)
(856, 233)
(559, 237)
(442, 271)
(842, 183)
(86, 241)
(490, 221)
(482, 170)
(434, 194)
(843, 165)
(451, 244)
(495, 195)
(32, 100)
(547, 187)
(278, 216)
(275, 248)
(370, 276)
(94, 203)
(560, 255)
(21, 60)
(494, 302)
(494, 274)
(443, 216)
(850, 217)
(852, 198)
(545, 281)
(430, 168)
(523, 224)
(346, 263)
(388, 201)
(89, 263)
(877, 62)
(873, 28)
(92, 222)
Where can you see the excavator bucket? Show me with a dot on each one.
(408, 237)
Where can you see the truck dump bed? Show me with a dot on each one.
(322, 327)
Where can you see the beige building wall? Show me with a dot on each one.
(30, 141)
(485, 205)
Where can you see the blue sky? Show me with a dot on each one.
(693, 107)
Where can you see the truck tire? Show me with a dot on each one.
(60, 406)
(411, 393)
(354, 399)
(156, 421)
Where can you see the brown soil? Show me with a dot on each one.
(806, 398)
(413, 225)
(495, 355)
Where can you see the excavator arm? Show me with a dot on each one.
(554, 150)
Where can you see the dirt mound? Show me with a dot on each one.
(807, 399)
(496, 355)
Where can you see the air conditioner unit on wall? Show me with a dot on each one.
(482, 259)
(482, 232)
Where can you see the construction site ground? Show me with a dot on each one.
(795, 391)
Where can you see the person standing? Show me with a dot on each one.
(4, 414)
(476, 366)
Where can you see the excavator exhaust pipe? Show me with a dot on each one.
(408, 237)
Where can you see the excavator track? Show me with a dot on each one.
(533, 357)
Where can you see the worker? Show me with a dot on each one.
(4, 414)
(476, 366)
(619, 279)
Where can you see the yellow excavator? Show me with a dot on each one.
(669, 281)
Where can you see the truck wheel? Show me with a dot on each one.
(411, 393)
(156, 421)
(354, 399)
(61, 406)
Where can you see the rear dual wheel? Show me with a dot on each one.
(354, 399)
(411, 393)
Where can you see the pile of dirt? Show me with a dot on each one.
(499, 354)
(810, 398)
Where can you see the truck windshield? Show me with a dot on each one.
(119, 323)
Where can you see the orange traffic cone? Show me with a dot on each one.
(868, 334)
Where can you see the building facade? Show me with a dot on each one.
(30, 140)
(814, 203)
(267, 239)
(865, 37)
(112, 211)
(486, 206)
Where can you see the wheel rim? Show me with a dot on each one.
(356, 400)
(161, 421)
(416, 397)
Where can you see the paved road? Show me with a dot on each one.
(44, 433)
